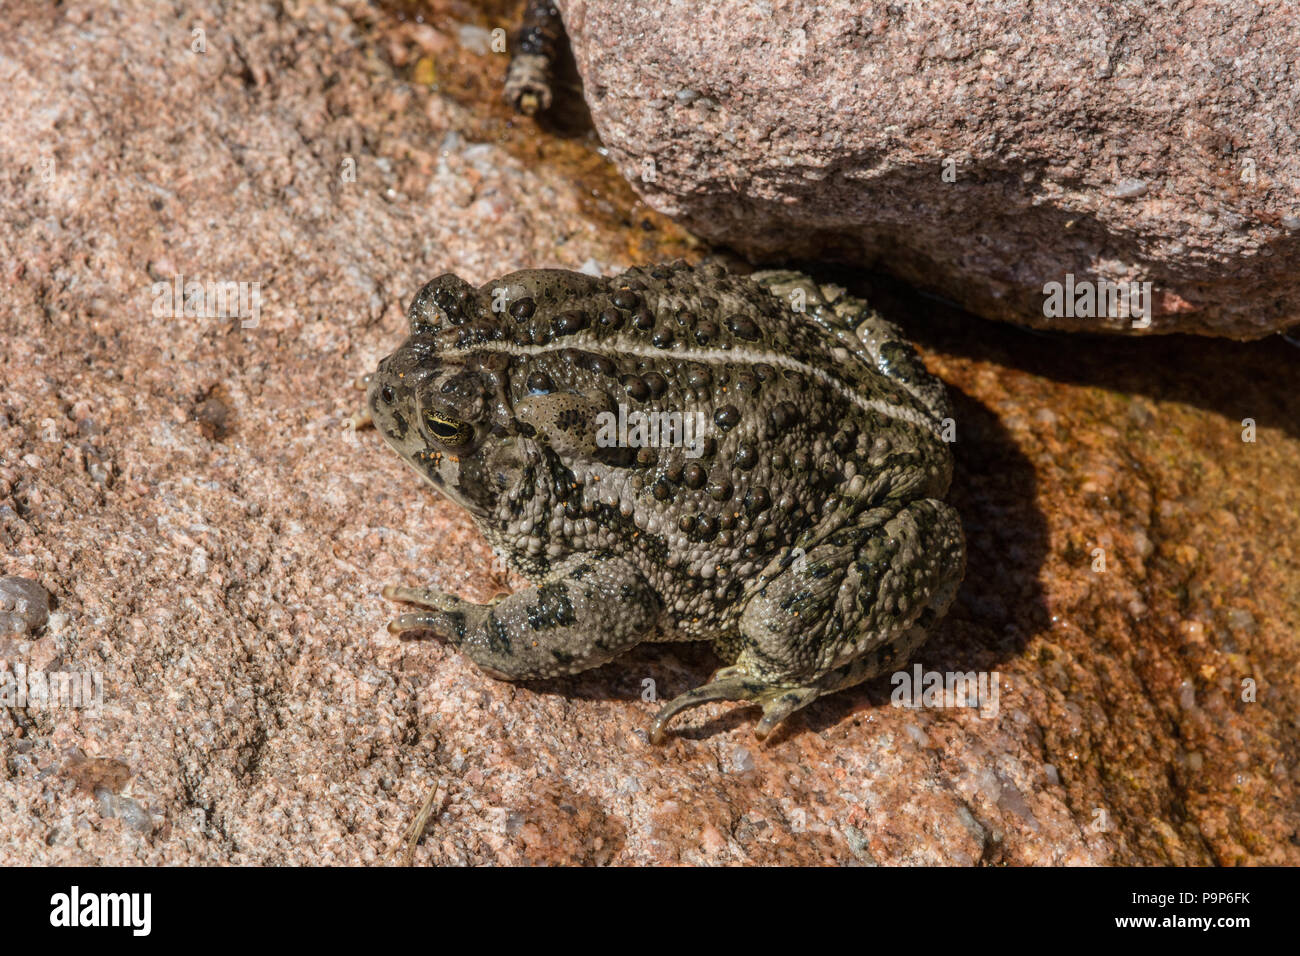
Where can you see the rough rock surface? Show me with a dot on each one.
(979, 150)
(214, 543)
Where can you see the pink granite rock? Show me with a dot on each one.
(981, 151)
(214, 543)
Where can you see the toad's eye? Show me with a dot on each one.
(447, 430)
(386, 393)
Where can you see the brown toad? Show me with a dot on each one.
(680, 454)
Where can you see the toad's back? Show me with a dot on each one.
(702, 423)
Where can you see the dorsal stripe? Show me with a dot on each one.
(740, 356)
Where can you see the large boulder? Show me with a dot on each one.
(981, 151)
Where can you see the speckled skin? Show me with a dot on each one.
(804, 534)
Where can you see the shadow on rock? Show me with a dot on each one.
(1234, 379)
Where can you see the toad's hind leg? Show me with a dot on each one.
(855, 606)
(585, 612)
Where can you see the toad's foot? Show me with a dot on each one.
(425, 597)
(735, 683)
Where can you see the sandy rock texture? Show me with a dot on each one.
(979, 150)
(213, 543)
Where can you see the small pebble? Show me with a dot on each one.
(1128, 189)
(24, 606)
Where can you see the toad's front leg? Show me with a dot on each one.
(587, 611)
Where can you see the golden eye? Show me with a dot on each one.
(450, 432)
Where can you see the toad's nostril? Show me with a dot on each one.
(386, 393)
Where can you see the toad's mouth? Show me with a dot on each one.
(432, 467)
